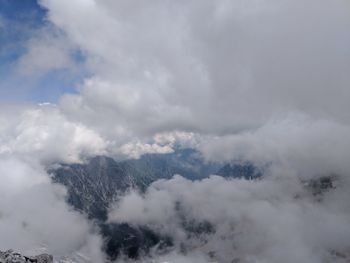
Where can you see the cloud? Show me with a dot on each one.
(297, 143)
(197, 67)
(206, 67)
(248, 221)
(43, 133)
(164, 142)
(48, 50)
(34, 216)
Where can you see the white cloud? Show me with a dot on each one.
(212, 67)
(43, 133)
(253, 221)
(35, 216)
(164, 142)
(135, 150)
(207, 68)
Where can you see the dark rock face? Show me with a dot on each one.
(243, 171)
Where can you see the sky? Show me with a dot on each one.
(264, 81)
(21, 23)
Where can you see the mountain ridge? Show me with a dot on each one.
(94, 185)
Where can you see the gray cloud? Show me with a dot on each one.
(297, 143)
(47, 50)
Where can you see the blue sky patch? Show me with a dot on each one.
(20, 21)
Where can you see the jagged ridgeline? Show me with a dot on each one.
(93, 186)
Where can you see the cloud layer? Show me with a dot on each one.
(271, 220)
(212, 67)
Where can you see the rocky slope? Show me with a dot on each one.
(94, 185)
(10, 256)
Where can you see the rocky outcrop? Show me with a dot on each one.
(10, 256)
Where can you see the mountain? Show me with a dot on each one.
(187, 162)
(94, 185)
